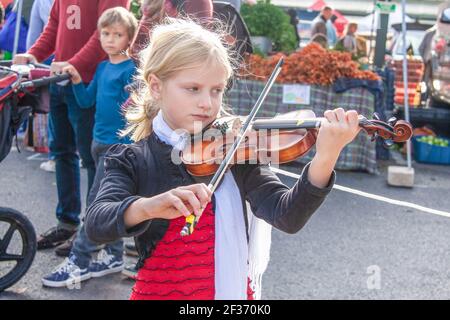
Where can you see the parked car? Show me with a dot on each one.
(414, 35)
(436, 54)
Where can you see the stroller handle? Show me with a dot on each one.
(44, 81)
(8, 63)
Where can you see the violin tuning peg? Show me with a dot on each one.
(392, 121)
(374, 137)
(388, 143)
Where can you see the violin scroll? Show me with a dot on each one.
(391, 131)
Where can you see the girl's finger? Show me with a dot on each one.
(330, 116)
(201, 191)
(179, 205)
(189, 196)
(340, 115)
(352, 118)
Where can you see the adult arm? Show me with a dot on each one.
(92, 52)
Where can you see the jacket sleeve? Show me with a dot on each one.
(104, 221)
(286, 209)
(87, 96)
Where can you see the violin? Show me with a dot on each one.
(278, 140)
(234, 140)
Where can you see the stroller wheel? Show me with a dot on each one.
(17, 246)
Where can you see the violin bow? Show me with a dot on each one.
(192, 220)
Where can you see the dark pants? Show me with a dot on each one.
(71, 128)
(83, 247)
(98, 151)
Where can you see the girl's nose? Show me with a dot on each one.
(205, 103)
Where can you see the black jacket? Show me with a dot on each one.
(145, 169)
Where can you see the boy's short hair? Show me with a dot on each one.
(121, 16)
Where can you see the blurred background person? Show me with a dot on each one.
(348, 41)
(40, 13)
(294, 22)
(331, 31)
(319, 31)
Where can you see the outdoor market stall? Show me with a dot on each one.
(316, 79)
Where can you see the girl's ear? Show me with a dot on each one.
(155, 86)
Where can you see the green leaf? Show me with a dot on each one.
(267, 20)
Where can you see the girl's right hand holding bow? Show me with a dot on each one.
(181, 201)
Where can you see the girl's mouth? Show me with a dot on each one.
(200, 117)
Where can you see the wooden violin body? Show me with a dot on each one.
(278, 140)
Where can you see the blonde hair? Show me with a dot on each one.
(175, 45)
(121, 16)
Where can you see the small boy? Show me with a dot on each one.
(107, 91)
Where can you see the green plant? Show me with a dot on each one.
(267, 20)
(135, 8)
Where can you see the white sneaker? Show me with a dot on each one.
(49, 166)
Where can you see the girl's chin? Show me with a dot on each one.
(196, 126)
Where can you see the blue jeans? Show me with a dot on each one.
(71, 128)
(83, 247)
(51, 156)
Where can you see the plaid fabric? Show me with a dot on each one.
(359, 155)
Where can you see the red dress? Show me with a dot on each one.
(181, 268)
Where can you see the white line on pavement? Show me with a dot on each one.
(37, 157)
(373, 196)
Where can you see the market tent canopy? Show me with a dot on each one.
(307, 14)
(365, 23)
(340, 22)
(318, 5)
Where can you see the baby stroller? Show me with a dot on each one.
(18, 86)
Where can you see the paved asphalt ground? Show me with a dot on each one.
(352, 248)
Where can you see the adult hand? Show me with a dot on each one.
(57, 67)
(24, 58)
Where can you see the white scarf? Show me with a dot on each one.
(235, 259)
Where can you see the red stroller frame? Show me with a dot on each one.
(14, 87)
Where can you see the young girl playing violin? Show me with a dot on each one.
(146, 195)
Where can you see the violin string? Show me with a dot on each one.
(373, 196)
